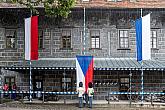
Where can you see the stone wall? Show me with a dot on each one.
(108, 22)
(104, 81)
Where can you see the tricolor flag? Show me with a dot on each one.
(143, 38)
(84, 70)
(31, 38)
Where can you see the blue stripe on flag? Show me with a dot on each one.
(84, 62)
(143, 38)
(139, 39)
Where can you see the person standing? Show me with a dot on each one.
(5, 89)
(80, 91)
(14, 88)
(90, 92)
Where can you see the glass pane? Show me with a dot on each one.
(10, 38)
(154, 46)
(93, 42)
(126, 46)
(93, 46)
(7, 80)
(40, 39)
(40, 33)
(121, 40)
(121, 45)
(40, 43)
(154, 40)
(97, 43)
(126, 39)
(10, 42)
(125, 33)
(64, 44)
(12, 80)
(66, 41)
(154, 33)
(97, 46)
(93, 39)
(121, 33)
(97, 39)
(154, 43)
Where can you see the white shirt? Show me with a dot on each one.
(80, 91)
(90, 92)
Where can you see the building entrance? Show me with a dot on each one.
(123, 87)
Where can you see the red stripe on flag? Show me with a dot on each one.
(89, 75)
(34, 38)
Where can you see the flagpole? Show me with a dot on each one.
(30, 78)
(142, 75)
(84, 35)
(30, 92)
(142, 83)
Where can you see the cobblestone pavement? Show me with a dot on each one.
(21, 106)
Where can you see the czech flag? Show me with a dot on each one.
(31, 38)
(143, 38)
(84, 70)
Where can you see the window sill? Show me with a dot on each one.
(154, 49)
(95, 49)
(123, 49)
(66, 48)
(11, 48)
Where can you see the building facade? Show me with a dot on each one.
(103, 29)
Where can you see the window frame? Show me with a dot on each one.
(40, 47)
(6, 38)
(65, 35)
(152, 37)
(123, 37)
(95, 39)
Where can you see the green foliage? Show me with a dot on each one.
(52, 7)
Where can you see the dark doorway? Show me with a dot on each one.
(38, 82)
(10, 80)
(123, 87)
(66, 84)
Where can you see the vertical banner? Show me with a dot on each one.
(31, 38)
(84, 70)
(143, 39)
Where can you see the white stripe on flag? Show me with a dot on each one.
(80, 75)
(27, 38)
(146, 44)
